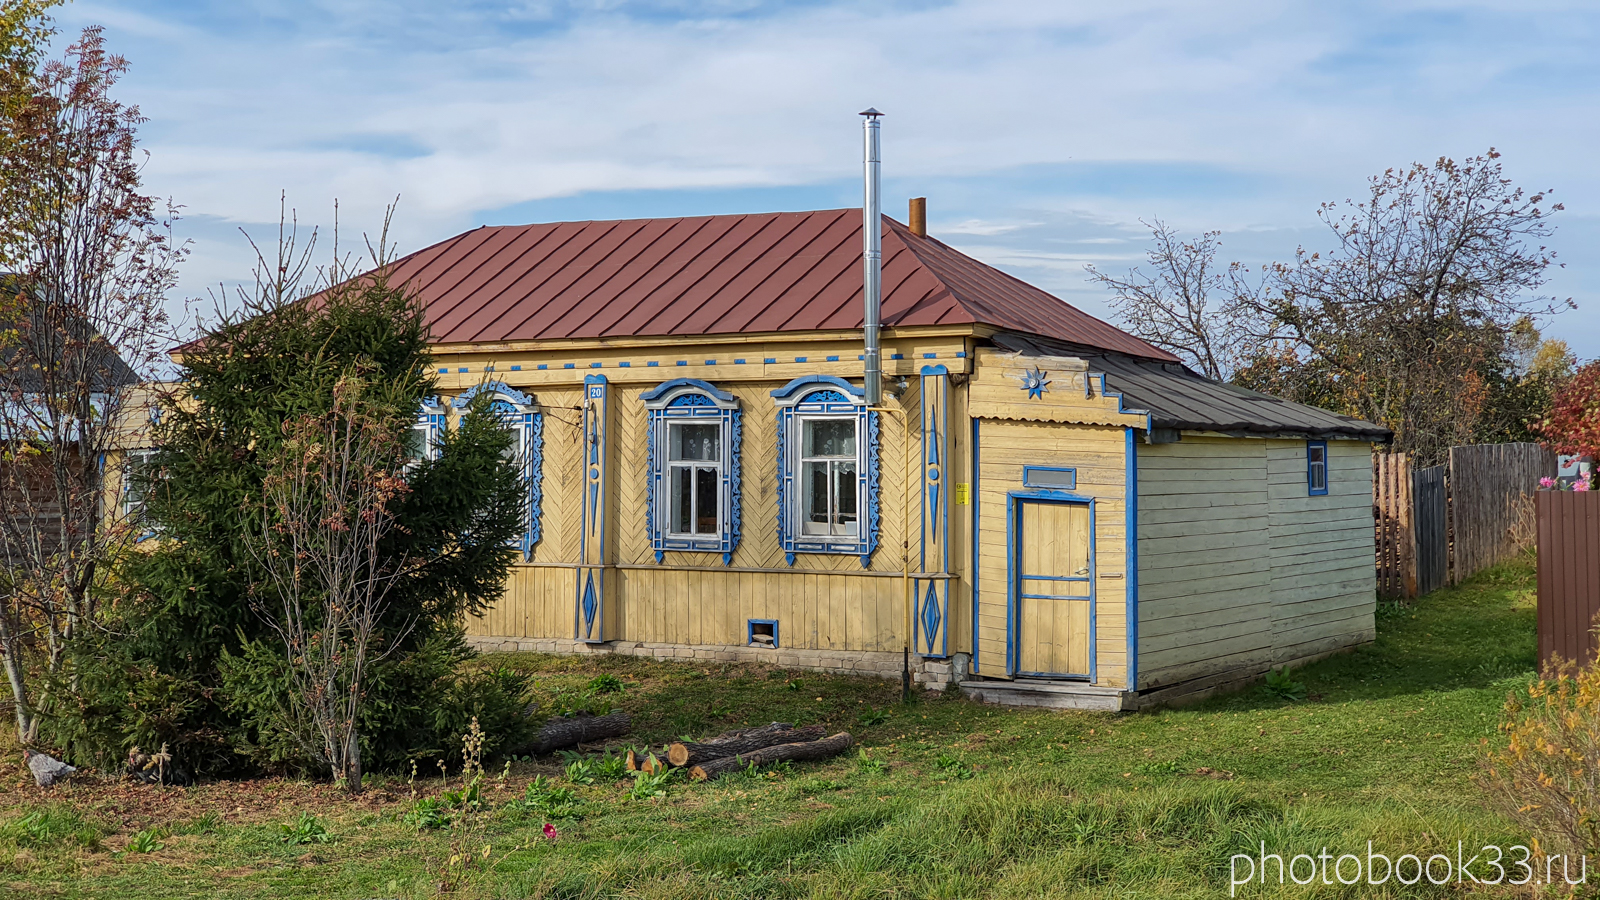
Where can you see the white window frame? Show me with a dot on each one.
(807, 528)
(694, 466)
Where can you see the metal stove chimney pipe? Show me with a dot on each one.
(872, 261)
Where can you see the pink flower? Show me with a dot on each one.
(550, 831)
(1581, 484)
(1547, 482)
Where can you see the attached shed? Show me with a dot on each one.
(1043, 508)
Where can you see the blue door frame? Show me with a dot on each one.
(1015, 501)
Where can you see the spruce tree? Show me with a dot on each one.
(201, 670)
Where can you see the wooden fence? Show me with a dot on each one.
(1395, 539)
(1489, 486)
(1430, 520)
(1569, 573)
(1443, 524)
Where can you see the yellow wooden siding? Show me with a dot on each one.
(1238, 567)
(1097, 455)
(824, 601)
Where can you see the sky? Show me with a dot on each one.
(1042, 133)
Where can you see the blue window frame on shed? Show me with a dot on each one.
(827, 468)
(694, 442)
(1317, 468)
(518, 415)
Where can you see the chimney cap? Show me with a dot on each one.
(869, 112)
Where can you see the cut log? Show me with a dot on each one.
(766, 756)
(633, 761)
(651, 764)
(736, 742)
(562, 732)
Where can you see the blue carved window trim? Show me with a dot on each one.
(689, 399)
(826, 396)
(519, 415)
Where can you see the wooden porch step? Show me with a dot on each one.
(1051, 694)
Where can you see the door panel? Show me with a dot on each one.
(1054, 559)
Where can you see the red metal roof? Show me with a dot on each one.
(772, 272)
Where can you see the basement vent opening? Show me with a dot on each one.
(763, 633)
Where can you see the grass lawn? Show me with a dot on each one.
(947, 799)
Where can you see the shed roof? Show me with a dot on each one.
(1177, 398)
(768, 272)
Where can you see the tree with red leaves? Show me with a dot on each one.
(1573, 423)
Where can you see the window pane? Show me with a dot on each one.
(1319, 476)
(693, 442)
(1316, 454)
(844, 497)
(705, 501)
(682, 501)
(515, 450)
(829, 437)
(417, 441)
(814, 490)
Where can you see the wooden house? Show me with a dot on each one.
(1042, 508)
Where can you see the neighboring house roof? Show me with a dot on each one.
(771, 272)
(40, 331)
(1177, 398)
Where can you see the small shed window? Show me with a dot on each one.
(1316, 468)
(827, 468)
(694, 436)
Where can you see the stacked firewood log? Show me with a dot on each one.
(735, 750)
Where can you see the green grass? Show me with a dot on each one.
(947, 798)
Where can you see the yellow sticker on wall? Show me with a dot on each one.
(963, 493)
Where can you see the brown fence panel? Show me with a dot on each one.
(1429, 527)
(1394, 537)
(1489, 485)
(1569, 573)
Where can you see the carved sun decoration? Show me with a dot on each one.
(1035, 382)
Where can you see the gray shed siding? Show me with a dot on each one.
(1239, 568)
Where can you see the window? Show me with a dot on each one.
(827, 461)
(1316, 468)
(694, 461)
(519, 416)
(133, 484)
(828, 476)
(693, 500)
(422, 441)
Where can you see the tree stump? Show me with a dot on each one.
(798, 752)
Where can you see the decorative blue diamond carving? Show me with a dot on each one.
(590, 604)
(930, 616)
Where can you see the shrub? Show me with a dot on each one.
(1547, 778)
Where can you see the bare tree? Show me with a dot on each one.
(1187, 306)
(83, 326)
(330, 500)
(1407, 319)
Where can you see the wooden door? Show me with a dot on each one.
(1052, 552)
